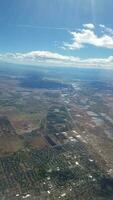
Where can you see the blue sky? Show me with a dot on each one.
(57, 32)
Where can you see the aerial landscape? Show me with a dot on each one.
(56, 100)
(56, 137)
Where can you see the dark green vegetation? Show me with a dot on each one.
(58, 120)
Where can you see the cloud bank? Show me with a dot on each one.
(87, 36)
(47, 58)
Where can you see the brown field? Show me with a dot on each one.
(10, 144)
(38, 142)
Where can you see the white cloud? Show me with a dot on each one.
(38, 56)
(87, 36)
(47, 58)
(102, 25)
(89, 26)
